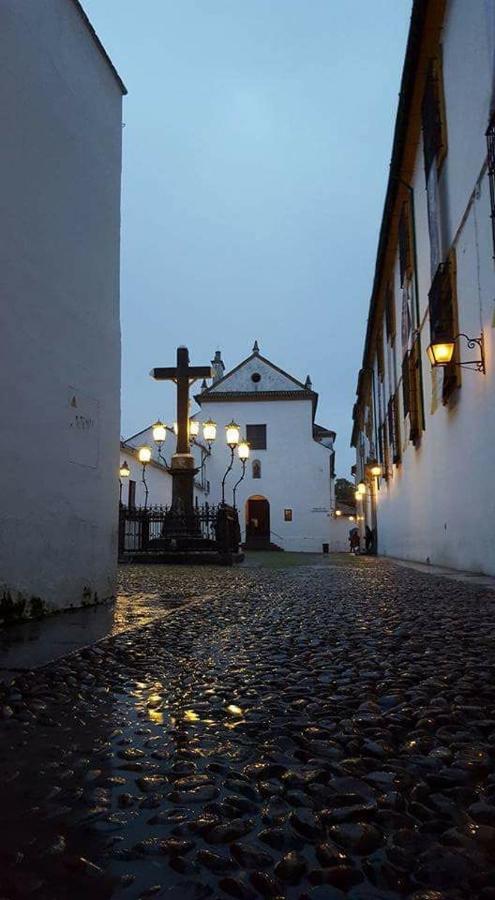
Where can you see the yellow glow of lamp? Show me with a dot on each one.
(338, 512)
(233, 433)
(361, 487)
(144, 455)
(209, 431)
(176, 428)
(351, 518)
(375, 469)
(159, 432)
(243, 450)
(358, 495)
(124, 470)
(441, 353)
(193, 427)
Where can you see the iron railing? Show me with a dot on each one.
(162, 529)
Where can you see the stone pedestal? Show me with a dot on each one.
(183, 470)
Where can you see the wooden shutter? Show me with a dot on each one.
(433, 117)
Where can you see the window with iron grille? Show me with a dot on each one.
(390, 312)
(256, 436)
(490, 139)
(442, 305)
(405, 254)
(432, 117)
(132, 494)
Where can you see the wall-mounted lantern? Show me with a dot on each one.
(441, 352)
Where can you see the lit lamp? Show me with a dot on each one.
(338, 512)
(358, 495)
(159, 431)
(232, 434)
(441, 354)
(361, 487)
(209, 432)
(375, 469)
(243, 450)
(193, 427)
(144, 456)
(124, 472)
(176, 428)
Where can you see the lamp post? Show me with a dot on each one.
(232, 435)
(243, 453)
(209, 435)
(124, 472)
(144, 456)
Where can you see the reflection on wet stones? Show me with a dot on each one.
(302, 737)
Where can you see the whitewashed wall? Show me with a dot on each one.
(60, 158)
(157, 478)
(295, 469)
(439, 505)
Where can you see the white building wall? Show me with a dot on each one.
(157, 478)
(439, 504)
(295, 469)
(60, 156)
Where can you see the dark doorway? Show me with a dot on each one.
(257, 523)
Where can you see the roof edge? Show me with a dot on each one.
(89, 26)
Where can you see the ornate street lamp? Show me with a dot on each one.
(193, 427)
(243, 450)
(159, 436)
(375, 468)
(232, 431)
(440, 353)
(338, 512)
(124, 472)
(361, 487)
(144, 456)
(209, 432)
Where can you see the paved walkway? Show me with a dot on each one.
(316, 731)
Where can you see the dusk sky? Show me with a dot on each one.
(257, 144)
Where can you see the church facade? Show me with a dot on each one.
(286, 497)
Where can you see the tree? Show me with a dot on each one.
(344, 491)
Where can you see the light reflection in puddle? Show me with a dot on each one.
(191, 716)
(156, 716)
(154, 700)
(235, 710)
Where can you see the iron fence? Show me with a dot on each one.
(162, 529)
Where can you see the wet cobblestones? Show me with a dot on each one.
(315, 732)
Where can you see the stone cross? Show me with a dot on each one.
(182, 468)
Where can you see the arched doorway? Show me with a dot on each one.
(257, 523)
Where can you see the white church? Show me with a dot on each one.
(286, 498)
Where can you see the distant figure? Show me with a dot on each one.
(369, 539)
(354, 541)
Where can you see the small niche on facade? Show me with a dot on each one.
(256, 468)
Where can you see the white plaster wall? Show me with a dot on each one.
(270, 380)
(295, 469)
(440, 503)
(60, 155)
(157, 478)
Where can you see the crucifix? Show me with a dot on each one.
(182, 468)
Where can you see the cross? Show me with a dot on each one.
(184, 375)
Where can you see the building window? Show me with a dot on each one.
(390, 313)
(256, 468)
(256, 436)
(132, 495)
(490, 138)
(287, 515)
(256, 377)
(394, 428)
(405, 242)
(442, 305)
(434, 149)
(433, 118)
(412, 394)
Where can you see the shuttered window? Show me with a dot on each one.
(490, 139)
(433, 118)
(442, 305)
(405, 245)
(394, 428)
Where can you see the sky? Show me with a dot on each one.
(256, 150)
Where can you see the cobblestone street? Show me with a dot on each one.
(316, 731)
